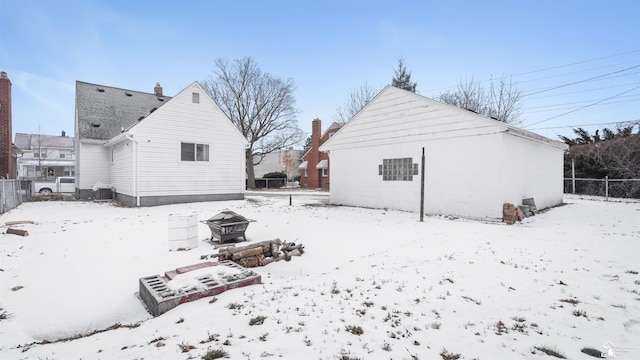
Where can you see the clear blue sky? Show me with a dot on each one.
(329, 48)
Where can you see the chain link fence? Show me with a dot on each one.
(13, 193)
(616, 188)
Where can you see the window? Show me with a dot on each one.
(40, 153)
(305, 173)
(65, 154)
(195, 98)
(69, 171)
(401, 169)
(324, 172)
(194, 152)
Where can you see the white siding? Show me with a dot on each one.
(94, 163)
(159, 169)
(455, 178)
(122, 175)
(473, 164)
(396, 116)
(535, 171)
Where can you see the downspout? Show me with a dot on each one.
(135, 168)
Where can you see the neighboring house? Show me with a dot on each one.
(283, 160)
(314, 170)
(45, 157)
(151, 149)
(474, 164)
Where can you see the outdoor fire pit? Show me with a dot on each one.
(227, 225)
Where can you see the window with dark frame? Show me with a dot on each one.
(401, 169)
(194, 152)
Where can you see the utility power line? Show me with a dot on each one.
(586, 106)
(581, 81)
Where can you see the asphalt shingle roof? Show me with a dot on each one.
(103, 111)
(33, 141)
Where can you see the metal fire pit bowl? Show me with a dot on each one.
(227, 225)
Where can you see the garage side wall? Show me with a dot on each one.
(461, 177)
(534, 170)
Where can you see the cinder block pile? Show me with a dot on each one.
(512, 213)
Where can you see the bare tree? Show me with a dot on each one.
(40, 148)
(289, 164)
(501, 100)
(260, 105)
(358, 98)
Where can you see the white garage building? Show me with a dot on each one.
(474, 164)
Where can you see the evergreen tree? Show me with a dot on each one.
(307, 145)
(402, 78)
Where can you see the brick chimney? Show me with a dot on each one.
(157, 90)
(316, 132)
(6, 145)
(64, 134)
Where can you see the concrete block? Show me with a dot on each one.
(159, 298)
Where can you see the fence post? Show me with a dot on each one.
(573, 175)
(606, 187)
(422, 188)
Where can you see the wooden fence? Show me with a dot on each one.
(13, 193)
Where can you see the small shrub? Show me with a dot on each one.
(258, 320)
(435, 325)
(355, 330)
(274, 175)
(344, 355)
(42, 197)
(550, 352)
(579, 313)
(334, 288)
(215, 354)
(448, 355)
(386, 346)
(634, 272)
(573, 301)
(234, 306)
(185, 347)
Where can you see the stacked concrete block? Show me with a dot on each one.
(159, 298)
(530, 204)
(183, 231)
(509, 213)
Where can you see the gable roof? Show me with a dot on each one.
(126, 131)
(29, 141)
(103, 111)
(395, 115)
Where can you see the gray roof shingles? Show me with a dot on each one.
(34, 141)
(101, 115)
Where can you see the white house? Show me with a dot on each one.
(474, 164)
(153, 150)
(45, 157)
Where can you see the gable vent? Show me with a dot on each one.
(160, 99)
(100, 89)
(128, 94)
(95, 125)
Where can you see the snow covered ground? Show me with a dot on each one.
(372, 284)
